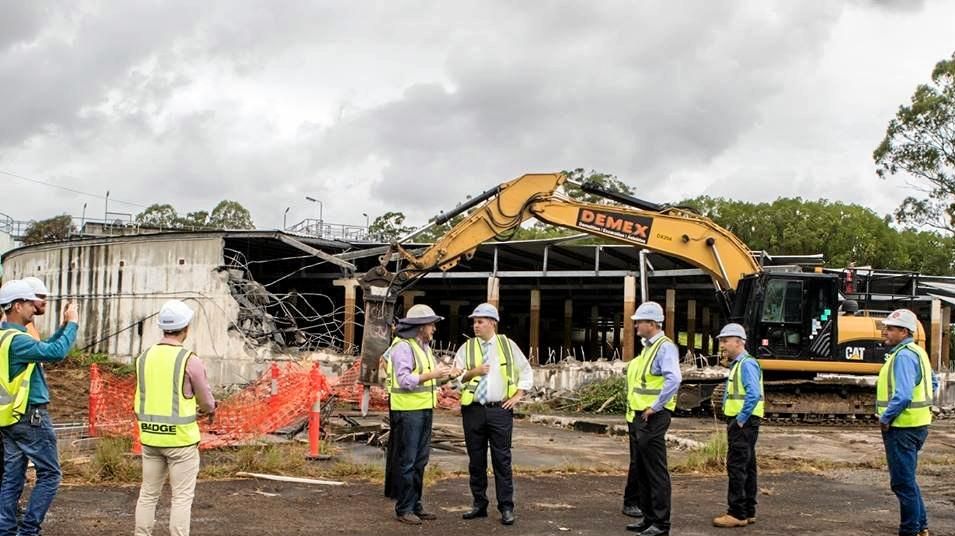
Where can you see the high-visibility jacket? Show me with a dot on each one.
(919, 410)
(736, 390)
(14, 392)
(167, 418)
(644, 387)
(474, 356)
(425, 395)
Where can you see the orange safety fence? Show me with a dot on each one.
(284, 395)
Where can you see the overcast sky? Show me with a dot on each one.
(413, 105)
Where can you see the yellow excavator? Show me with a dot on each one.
(811, 352)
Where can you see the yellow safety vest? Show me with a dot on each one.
(736, 391)
(166, 417)
(473, 351)
(644, 387)
(919, 410)
(14, 392)
(425, 395)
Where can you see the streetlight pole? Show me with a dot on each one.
(285, 219)
(321, 210)
(106, 209)
(83, 219)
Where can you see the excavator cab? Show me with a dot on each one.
(789, 315)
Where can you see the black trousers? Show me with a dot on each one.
(483, 427)
(648, 481)
(741, 467)
(393, 458)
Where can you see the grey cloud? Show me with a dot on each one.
(48, 85)
(664, 96)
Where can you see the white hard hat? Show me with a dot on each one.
(15, 290)
(420, 314)
(649, 311)
(485, 310)
(732, 330)
(37, 285)
(902, 318)
(174, 315)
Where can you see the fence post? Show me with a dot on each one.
(274, 391)
(316, 384)
(96, 391)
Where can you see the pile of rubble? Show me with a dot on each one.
(283, 322)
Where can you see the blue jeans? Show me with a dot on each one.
(902, 447)
(414, 434)
(30, 439)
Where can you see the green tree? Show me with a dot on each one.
(540, 230)
(158, 215)
(920, 141)
(48, 230)
(389, 226)
(842, 233)
(603, 180)
(230, 215)
(194, 220)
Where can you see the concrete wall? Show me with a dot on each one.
(569, 376)
(120, 284)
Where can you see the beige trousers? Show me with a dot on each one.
(182, 466)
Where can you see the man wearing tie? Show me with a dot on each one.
(497, 374)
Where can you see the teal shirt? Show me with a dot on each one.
(25, 350)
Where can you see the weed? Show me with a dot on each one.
(710, 458)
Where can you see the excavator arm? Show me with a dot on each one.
(671, 231)
(497, 212)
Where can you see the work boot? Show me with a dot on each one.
(632, 511)
(728, 521)
(426, 516)
(507, 517)
(474, 513)
(639, 527)
(409, 519)
(751, 520)
(924, 532)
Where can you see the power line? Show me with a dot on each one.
(44, 183)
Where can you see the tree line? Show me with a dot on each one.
(226, 215)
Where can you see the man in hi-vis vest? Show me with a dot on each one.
(743, 408)
(653, 378)
(413, 381)
(172, 391)
(496, 376)
(904, 395)
(27, 431)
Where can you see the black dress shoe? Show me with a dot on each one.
(474, 513)
(507, 517)
(654, 530)
(632, 511)
(639, 527)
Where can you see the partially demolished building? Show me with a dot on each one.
(263, 294)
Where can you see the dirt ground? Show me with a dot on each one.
(823, 480)
(854, 503)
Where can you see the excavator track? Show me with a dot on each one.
(801, 402)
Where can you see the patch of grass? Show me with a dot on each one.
(571, 469)
(79, 359)
(344, 470)
(113, 462)
(710, 458)
(288, 459)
